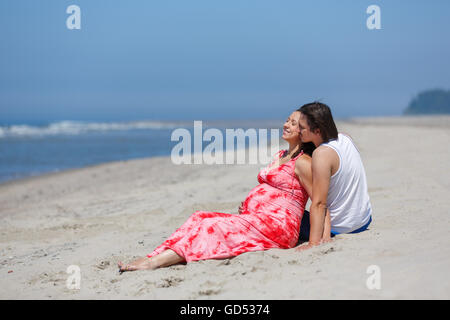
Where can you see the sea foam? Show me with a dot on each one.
(78, 127)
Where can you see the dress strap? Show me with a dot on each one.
(276, 157)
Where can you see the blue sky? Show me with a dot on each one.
(204, 59)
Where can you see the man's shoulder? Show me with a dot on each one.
(325, 156)
(323, 150)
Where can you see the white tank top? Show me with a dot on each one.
(348, 198)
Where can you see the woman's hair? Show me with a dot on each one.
(307, 148)
(318, 116)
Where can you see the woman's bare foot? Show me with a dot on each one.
(144, 263)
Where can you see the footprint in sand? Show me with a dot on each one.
(103, 265)
(210, 288)
(209, 292)
(169, 282)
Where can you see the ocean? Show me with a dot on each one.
(30, 150)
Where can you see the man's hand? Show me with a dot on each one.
(309, 245)
(326, 239)
(304, 246)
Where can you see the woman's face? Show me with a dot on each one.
(291, 132)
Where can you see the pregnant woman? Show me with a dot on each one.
(269, 217)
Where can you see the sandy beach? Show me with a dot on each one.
(96, 216)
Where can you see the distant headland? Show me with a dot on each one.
(436, 101)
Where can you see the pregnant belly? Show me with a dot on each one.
(265, 198)
(273, 213)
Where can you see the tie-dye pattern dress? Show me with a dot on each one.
(270, 218)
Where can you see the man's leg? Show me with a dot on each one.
(304, 228)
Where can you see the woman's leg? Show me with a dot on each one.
(187, 228)
(164, 259)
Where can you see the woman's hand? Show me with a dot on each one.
(240, 209)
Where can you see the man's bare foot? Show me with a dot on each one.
(144, 263)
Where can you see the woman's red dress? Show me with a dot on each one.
(271, 217)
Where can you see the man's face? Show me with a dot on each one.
(305, 132)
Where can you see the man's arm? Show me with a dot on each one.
(321, 171)
(326, 237)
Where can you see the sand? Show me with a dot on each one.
(95, 216)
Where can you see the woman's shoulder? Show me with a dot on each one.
(303, 158)
(303, 161)
(303, 165)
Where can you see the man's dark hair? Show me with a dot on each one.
(318, 116)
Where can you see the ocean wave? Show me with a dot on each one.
(77, 127)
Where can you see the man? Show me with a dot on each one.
(340, 201)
